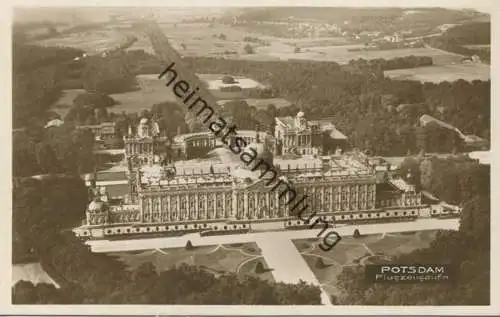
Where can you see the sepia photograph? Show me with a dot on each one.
(258, 156)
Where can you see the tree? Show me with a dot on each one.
(24, 292)
(356, 234)
(95, 99)
(248, 49)
(259, 268)
(47, 159)
(228, 80)
(189, 245)
(320, 264)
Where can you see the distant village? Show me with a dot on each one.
(372, 40)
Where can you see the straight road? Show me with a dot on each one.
(289, 266)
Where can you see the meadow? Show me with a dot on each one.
(152, 90)
(201, 39)
(263, 103)
(342, 55)
(90, 42)
(440, 73)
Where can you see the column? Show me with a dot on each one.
(214, 210)
(270, 212)
(331, 207)
(256, 204)
(160, 209)
(150, 209)
(167, 210)
(196, 203)
(245, 205)
(277, 205)
(179, 216)
(223, 204)
(235, 204)
(357, 197)
(189, 212)
(323, 192)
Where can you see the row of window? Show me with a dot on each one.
(361, 216)
(129, 230)
(246, 226)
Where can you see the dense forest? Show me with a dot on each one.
(467, 34)
(53, 150)
(41, 219)
(458, 181)
(40, 74)
(378, 114)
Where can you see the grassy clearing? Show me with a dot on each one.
(90, 42)
(439, 73)
(263, 103)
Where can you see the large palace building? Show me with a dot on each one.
(193, 184)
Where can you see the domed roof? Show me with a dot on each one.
(95, 205)
(144, 121)
(300, 114)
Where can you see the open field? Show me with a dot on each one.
(214, 81)
(341, 55)
(90, 42)
(263, 103)
(486, 47)
(152, 90)
(350, 251)
(239, 258)
(201, 39)
(318, 42)
(441, 73)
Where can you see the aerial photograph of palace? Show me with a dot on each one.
(249, 156)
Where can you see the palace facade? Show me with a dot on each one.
(173, 194)
(297, 135)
